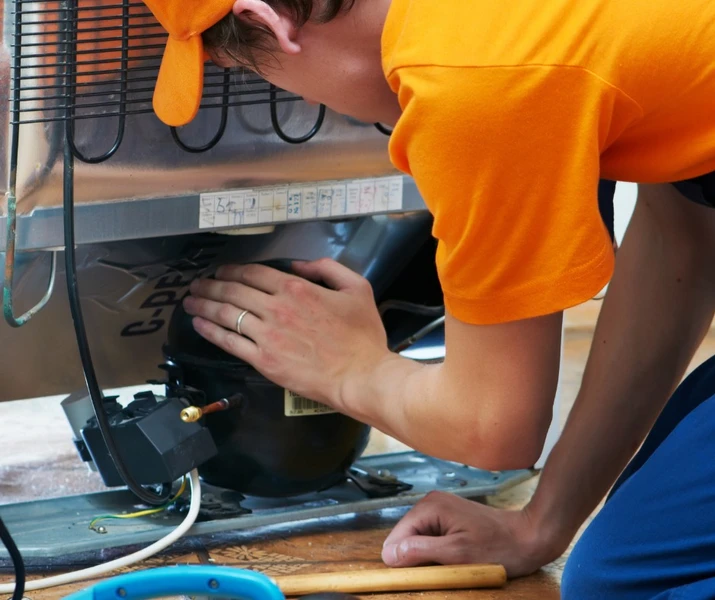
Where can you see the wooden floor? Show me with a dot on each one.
(43, 464)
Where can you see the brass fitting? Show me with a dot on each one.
(191, 414)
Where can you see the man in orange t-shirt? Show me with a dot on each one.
(507, 115)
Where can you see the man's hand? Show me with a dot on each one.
(296, 333)
(445, 529)
(495, 387)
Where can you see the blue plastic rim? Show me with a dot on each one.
(203, 580)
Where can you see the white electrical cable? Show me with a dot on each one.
(92, 572)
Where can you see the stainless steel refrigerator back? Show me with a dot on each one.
(258, 174)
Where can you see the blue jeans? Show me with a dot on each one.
(654, 538)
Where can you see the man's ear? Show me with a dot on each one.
(282, 27)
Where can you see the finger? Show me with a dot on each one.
(233, 293)
(332, 273)
(422, 519)
(259, 277)
(225, 315)
(237, 345)
(425, 550)
(411, 524)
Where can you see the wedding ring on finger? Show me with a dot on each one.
(239, 321)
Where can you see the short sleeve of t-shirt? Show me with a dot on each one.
(507, 161)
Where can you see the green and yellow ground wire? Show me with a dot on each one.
(141, 513)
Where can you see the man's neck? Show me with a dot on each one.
(357, 36)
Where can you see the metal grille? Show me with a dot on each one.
(74, 61)
(90, 59)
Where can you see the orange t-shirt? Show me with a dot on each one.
(513, 110)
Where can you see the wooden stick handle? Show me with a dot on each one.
(395, 580)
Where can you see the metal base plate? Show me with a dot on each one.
(48, 530)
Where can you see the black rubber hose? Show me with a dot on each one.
(18, 564)
(90, 376)
(410, 307)
(95, 393)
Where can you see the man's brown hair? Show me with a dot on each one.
(249, 43)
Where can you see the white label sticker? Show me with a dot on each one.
(296, 202)
(207, 212)
(298, 406)
(280, 204)
(250, 208)
(235, 208)
(310, 203)
(367, 196)
(382, 196)
(267, 203)
(396, 193)
(337, 207)
(353, 203)
(325, 200)
(223, 210)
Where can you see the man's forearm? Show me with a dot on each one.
(489, 404)
(657, 310)
(401, 398)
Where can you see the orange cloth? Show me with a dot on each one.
(180, 84)
(512, 111)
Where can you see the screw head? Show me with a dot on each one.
(386, 475)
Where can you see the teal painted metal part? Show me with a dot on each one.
(7, 305)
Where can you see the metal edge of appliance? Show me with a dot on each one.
(54, 529)
(157, 217)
